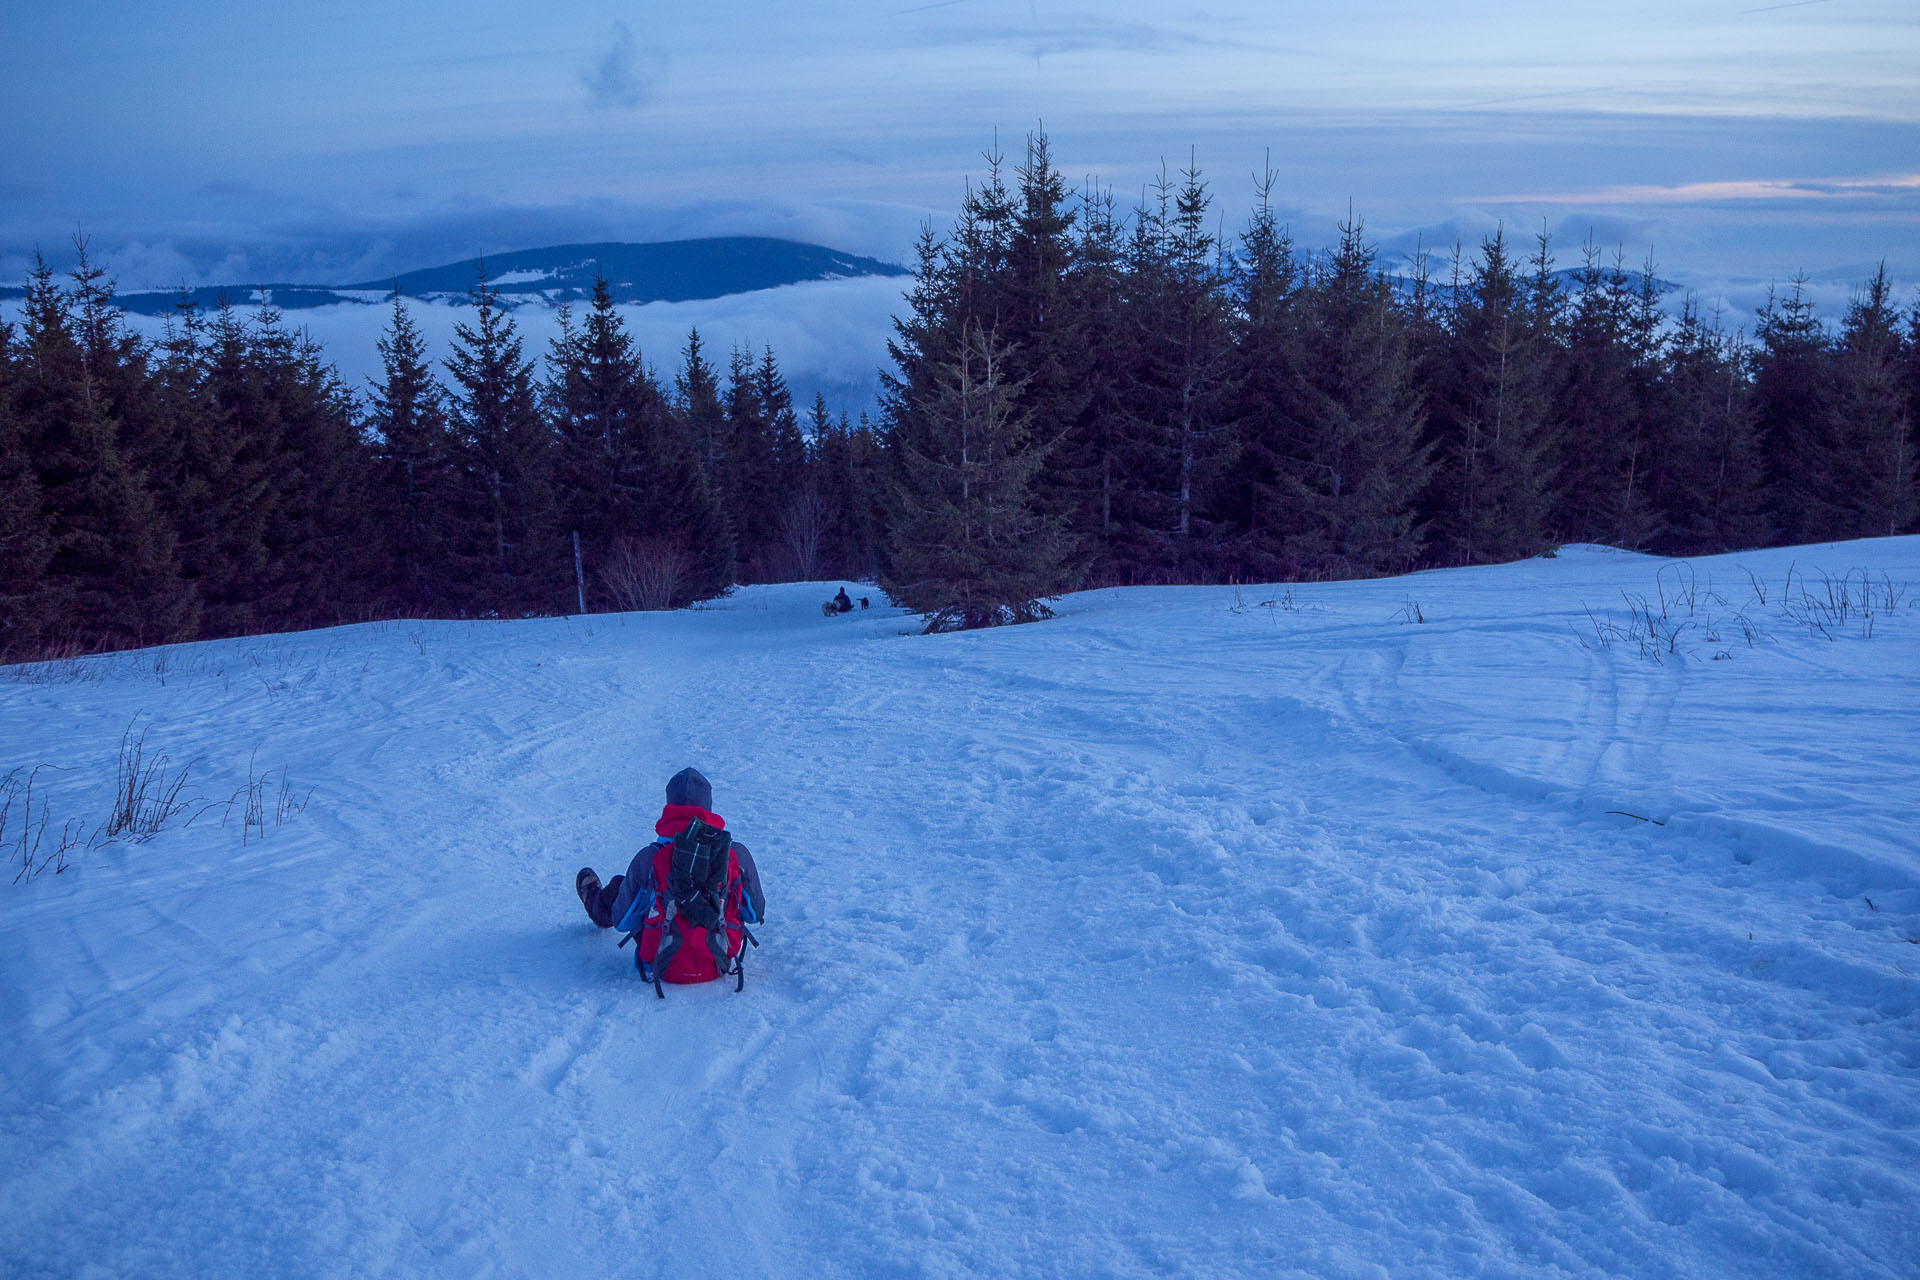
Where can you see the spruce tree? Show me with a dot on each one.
(683, 512)
(111, 579)
(119, 375)
(1609, 354)
(697, 388)
(830, 476)
(1546, 298)
(1707, 489)
(785, 487)
(921, 345)
(120, 369)
(979, 252)
(322, 553)
(1201, 387)
(1084, 474)
(1490, 424)
(870, 506)
(506, 547)
(1913, 378)
(177, 390)
(957, 438)
(1548, 321)
(414, 454)
(956, 289)
(1425, 314)
(1146, 488)
(1637, 512)
(845, 460)
(332, 538)
(604, 410)
(968, 549)
(26, 547)
(1358, 463)
(1870, 485)
(746, 469)
(1041, 321)
(227, 471)
(1795, 398)
(1267, 406)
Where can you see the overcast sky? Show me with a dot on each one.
(223, 142)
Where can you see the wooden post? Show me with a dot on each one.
(579, 581)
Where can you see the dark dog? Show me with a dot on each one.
(863, 602)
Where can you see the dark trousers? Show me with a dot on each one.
(600, 905)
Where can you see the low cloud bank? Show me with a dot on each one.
(829, 336)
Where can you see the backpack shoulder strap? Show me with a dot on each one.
(753, 898)
(645, 894)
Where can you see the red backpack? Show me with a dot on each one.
(691, 918)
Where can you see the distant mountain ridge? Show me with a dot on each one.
(657, 271)
(653, 271)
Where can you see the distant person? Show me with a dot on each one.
(687, 898)
(841, 604)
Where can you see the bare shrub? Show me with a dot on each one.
(1652, 628)
(1286, 601)
(1833, 607)
(1649, 629)
(16, 794)
(255, 806)
(57, 662)
(643, 573)
(252, 800)
(1679, 587)
(1891, 594)
(146, 795)
(74, 662)
(1749, 629)
(287, 804)
(29, 846)
(1604, 633)
(802, 528)
(69, 841)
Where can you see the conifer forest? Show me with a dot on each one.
(1077, 394)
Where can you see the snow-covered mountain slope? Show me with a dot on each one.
(1196, 932)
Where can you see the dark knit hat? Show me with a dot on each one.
(689, 787)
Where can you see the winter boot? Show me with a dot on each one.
(587, 885)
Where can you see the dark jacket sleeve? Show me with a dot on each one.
(750, 881)
(638, 881)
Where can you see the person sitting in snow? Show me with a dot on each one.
(841, 603)
(687, 898)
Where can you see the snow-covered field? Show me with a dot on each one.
(1197, 932)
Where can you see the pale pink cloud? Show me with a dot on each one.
(1709, 192)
